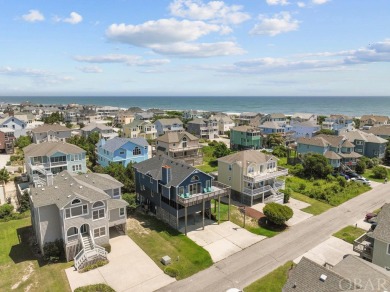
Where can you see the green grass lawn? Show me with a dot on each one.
(252, 225)
(210, 162)
(20, 268)
(369, 175)
(158, 239)
(273, 282)
(332, 192)
(316, 207)
(349, 233)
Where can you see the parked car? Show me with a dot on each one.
(361, 180)
(346, 176)
(370, 216)
(353, 174)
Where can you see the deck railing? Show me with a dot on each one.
(363, 245)
(266, 175)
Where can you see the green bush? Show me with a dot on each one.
(287, 193)
(360, 166)
(379, 172)
(24, 202)
(54, 251)
(316, 166)
(94, 266)
(277, 213)
(342, 181)
(172, 272)
(95, 288)
(302, 186)
(297, 170)
(131, 199)
(6, 211)
(107, 247)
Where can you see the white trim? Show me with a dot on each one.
(98, 206)
(124, 212)
(105, 232)
(82, 213)
(97, 210)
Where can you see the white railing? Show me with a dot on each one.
(257, 190)
(79, 259)
(85, 256)
(279, 185)
(266, 175)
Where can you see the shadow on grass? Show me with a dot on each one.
(152, 223)
(266, 224)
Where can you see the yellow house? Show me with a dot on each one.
(254, 176)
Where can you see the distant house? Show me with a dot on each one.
(303, 117)
(107, 111)
(380, 131)
(245, 137)
(48, 158)
(373, 120)
(245, 118)
(103, 130)
(203, 128)
(367, 144)
(225, 123)
(71, 116)
(122, 151)
(275, 128)
(337, 149)
(7, 140)
(351, 274)
(143, 116)
(276, 117)
(140, 129)
(168, 125)
(80, 210)
(124, 117)
(374, 245)
(174, 190)
(50, 133)
(338, 123)
(192, 114)
(304, 129)
(180, 145)
(253, 176)
(11, 122)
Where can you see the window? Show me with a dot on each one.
(76, 201)
(122, 152)
(116, 193)
(97, 204)
(137, 151)
(72, 233)
(58, 159)
(195, 178)
(359, 150)
(99, 232)
(98, 214)
(251, 169)
(76, 167)
(76, 211)
(359, 142)
(122, 212)
(230, 167)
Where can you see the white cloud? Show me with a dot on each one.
(162, 31)
(279, 23)
(320, 2)
(91, 69)
(130, 60)
(200, 50)
(277, 2)
(33, 16)
(38, 76)
(301, 4)
(216, 11)
(74, 18)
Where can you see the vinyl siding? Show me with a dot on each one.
(50, 224)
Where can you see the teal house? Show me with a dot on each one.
(245, 137)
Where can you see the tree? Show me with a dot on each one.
(379, 172)
(131, 199)
(274, 140)
(321, 119)
(357, 123)
(277, 214)
(221, 150)
(360, 166)
(56, 117)
(25, 202)
(23, 141)
(316, 165)
(4, 175)
(280, 151)
(326, 132)
(6, 210)
(386, 158)
(68, 125)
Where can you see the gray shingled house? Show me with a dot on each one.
(50, 133)
(80, 210)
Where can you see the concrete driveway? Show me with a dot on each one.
(4, 158)
(330, 251)
(129, 269)
(224, 239)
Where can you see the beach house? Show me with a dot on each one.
(168, 125)
(245, 137)
(367, 144)
(50, 133)
(141, 129)
(104, 131)
(203, 128)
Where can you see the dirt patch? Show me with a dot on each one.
(253, 213)
(136, 226)
(27, 274)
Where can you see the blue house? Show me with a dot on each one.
(122, 150)
(174, 190)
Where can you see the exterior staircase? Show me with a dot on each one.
(43, 177)
(90, 252)
(276, 197)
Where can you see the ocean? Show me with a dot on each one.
(353, 106)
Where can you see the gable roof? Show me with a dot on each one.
(93, 126)
(49, 148)
(115, 143)
(304, 116)
(277, 116)
(383, 130)
(367, 137)
(246, 157)
(376, 118)
(179, 170)
(314, 141)
(167, 122)
(175, 137)
(270, 125)
(47, 127)
(334, 141)
(136, 123)
(331, 155)
(100, 180)
(382, 230)
(246, 129)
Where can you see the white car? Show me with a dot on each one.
(361, 180)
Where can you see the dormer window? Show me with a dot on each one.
(76, 201)
(195, 178)
(98, 204)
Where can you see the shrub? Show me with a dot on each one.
(316, 166)
(95, 288)
(131, 199)
(54, 251)
(379, 172)
(6, 210)
(107, 247)
(287, 194)
(360, 166)
(280, 151)
(94, 266)
(342, 181)
(302, 186)
(297, 170)
(24, 202)
(330, 177)
(172, 272)
(277, 213)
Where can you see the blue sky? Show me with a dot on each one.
(195, 47)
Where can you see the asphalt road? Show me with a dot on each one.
(248, 265)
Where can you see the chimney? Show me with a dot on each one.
(166, 174)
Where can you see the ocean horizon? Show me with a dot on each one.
(349, 105)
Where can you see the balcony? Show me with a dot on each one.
(188, 148)
(364, 246)
(257, 191)
(266, 175)
(217, 190)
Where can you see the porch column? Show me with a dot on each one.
(185, 220)
(219, 209)
(203, 213)
(251, 200)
